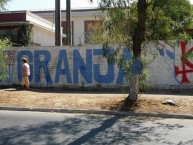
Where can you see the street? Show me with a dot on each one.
(36, 128)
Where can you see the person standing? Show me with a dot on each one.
(25, 73)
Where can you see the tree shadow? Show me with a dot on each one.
(88, 129)
(183, 91)
(124, 105)
(66, 90)
(94, 90)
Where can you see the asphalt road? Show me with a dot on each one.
(35, 128)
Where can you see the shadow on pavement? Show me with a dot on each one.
(88, 130)
(64, 90)
(188, 92)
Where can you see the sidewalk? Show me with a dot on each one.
(97, 102)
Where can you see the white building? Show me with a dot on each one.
(43, 23)
(43, 30)
(80, 19)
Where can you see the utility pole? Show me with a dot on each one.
(68, 22)
(57, 23)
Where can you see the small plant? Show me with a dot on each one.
(24, 37)
(4, 44)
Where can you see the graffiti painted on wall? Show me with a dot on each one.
(182, 56)
(77, 66)
(10, 64)
(41, 61)
(186, 68)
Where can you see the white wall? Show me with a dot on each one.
(85, 66)
(43, 37)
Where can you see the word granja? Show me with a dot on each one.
(40, 60)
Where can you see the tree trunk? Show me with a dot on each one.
(134, 87)
(138, 38)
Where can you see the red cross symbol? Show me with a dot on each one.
(185, 62)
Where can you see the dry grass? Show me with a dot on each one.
(36, 98)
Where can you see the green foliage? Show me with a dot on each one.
(168, 19)
(184, 37)
(116, 56)
(4, 44)
(21, 36)
(3, 3)
(165, 20)
(10, 34)
(24, 37)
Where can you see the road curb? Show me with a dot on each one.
(103, 112)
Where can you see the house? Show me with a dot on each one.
(80, 21)
(43, 23)
(43, 30)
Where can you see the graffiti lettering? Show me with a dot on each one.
(85, 68)
(65, 71)
(109, 76)
(41, 60)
